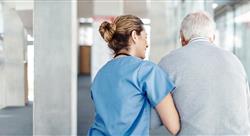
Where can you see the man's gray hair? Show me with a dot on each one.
(198, 24)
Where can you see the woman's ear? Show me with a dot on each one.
(134, 36)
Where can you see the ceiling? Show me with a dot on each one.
(85, 9)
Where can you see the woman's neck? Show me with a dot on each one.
(121, 54)
(125, 51)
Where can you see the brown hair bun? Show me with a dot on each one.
(107, 31)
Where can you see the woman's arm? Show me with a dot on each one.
(168, 114)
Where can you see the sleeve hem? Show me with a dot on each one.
(161, 98)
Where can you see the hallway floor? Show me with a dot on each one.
(16, 121)
(85, 105)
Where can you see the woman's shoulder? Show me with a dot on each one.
(148, 67)
(147, 63)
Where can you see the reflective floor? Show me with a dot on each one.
(16, 121)
(85, 105)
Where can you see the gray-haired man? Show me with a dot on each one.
(212, 92)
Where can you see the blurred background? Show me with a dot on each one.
(51, 50)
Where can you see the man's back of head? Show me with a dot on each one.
(197, 24)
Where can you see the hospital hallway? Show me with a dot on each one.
(51, 50)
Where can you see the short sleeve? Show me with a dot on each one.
(154, 82)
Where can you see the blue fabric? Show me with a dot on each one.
(123, 92)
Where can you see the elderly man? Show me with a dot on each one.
(212, 92)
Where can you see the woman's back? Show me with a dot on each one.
(123, 91)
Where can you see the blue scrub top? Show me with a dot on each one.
(123, 92)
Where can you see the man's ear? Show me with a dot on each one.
(183, 40)
(212, 39)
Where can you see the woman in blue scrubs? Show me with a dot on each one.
(127, 87)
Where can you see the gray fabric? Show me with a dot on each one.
(155, 119)
(211, 89)
(248, 98)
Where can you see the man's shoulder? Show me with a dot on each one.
(172, 56)
(226, 53)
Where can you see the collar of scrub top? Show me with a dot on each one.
(198, 39)
(119, 54)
